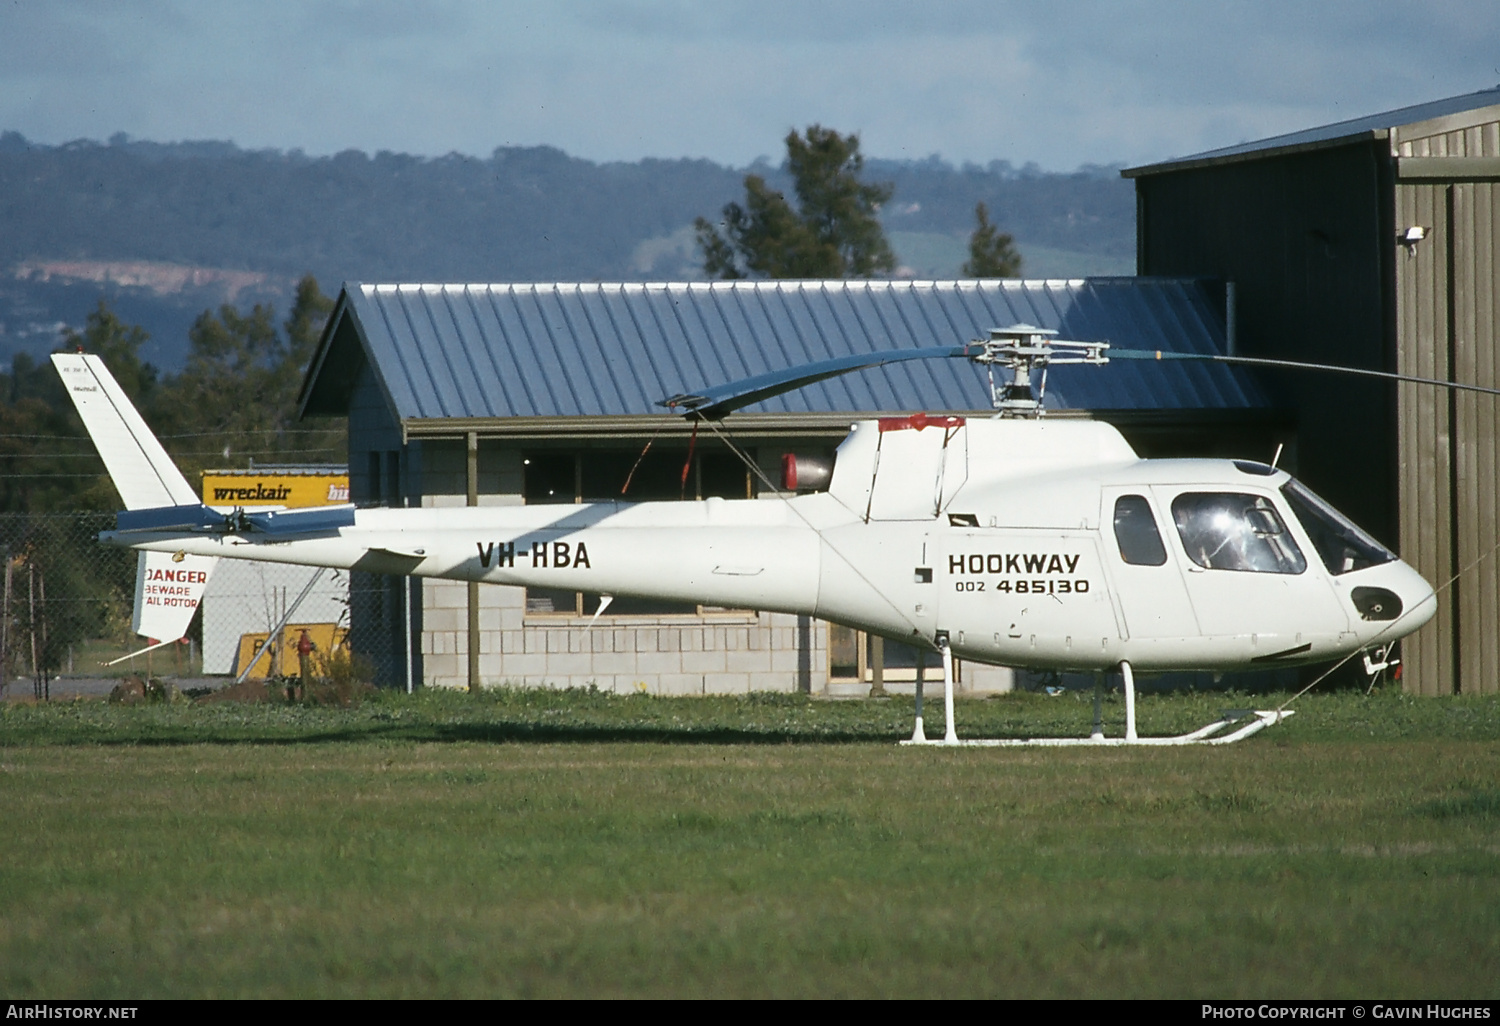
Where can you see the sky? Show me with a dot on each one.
(1059, 84)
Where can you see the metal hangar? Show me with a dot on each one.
(1371, 243)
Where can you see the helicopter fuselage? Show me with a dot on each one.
(1046, 544)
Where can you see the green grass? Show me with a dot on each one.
(577, 844)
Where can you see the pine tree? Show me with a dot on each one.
(992, 253)
(304, 325)
(833, 233)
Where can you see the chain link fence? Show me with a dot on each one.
(255, 613)
(66, 604)
(65, 600)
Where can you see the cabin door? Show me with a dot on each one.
(1150, 595)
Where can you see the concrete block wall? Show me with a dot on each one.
(712, 655)
(987, 680)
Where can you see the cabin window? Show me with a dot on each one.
(1233, 531)
(1136, 533)
(1341, 545)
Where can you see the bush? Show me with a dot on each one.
(142, 690)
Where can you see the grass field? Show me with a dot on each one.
(576, 844)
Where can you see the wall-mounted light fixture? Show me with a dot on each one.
(1409, 237)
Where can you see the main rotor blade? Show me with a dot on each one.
(713, 403)
(1329, 368)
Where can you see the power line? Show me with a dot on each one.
(195, 434)
(183, 455)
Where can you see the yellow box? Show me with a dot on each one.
(325, 637)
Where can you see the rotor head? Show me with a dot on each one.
(1026, 351)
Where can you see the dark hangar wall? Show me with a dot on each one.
(1304, 237)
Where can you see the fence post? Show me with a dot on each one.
(5, 630)
(472, 489)
(36, 681)
(41, 587)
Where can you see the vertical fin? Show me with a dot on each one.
(168, 587)
(143, 473)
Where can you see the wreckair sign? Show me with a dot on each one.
(274, 488)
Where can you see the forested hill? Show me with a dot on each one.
(166, 230)
(522, 214)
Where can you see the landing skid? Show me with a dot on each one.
(1203, 736)
(1260, 719)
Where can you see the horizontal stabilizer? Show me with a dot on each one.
(198, 518)
(308, 520)
(170, 519)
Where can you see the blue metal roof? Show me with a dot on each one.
(571, 350)
(1336, 132)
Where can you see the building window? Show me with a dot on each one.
(660, 473)
(550, 478)
(392, 480)
(382, 478)
(843, 652)
(849, 658)
(372, 478)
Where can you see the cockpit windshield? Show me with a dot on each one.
(1339, 541)
(1234, 531)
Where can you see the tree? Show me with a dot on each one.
(992, 253)
(833, 233)
(237, 396)
(119, 345)
(304, 324)
(46, 460)
(39, 470)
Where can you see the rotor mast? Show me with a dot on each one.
(1027, 351)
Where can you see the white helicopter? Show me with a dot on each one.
(1018, 540)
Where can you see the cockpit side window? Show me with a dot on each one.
(1342, 546)
(1136, 533)
(1234, 531)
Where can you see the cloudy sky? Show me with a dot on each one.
(1059, 83)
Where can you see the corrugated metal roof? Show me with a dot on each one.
(569, 350)
(1372, 126)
